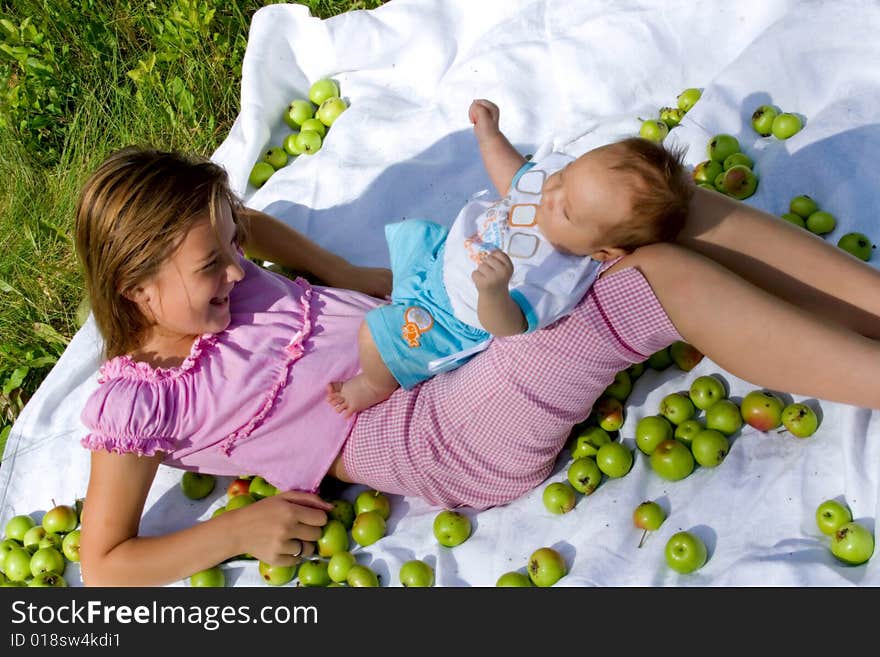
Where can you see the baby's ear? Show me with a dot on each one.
(609, 253)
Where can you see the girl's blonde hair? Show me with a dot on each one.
(132, 214)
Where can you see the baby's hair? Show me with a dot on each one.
(133, 213)
(660, 196)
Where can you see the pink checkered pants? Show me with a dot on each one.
(490, 431)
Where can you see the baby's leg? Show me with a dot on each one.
(787, 261)
(756, 336)
(374, 384)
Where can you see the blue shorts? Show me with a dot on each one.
(418, 326)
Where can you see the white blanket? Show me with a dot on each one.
(568, 74)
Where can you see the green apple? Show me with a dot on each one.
(316, 125)
(276, 575)
(609, 413)
(209, 578)
(831, 515)
(17, 564)
(559, 497)
(685, 356)
(330, 110)
(216, 512)
(373, 500)
(8, 583)
(546, 567)
(276, 156)
(196, 485)
(298, 111)
(707, 171)
(706, 390)
(718, 183)
(289, 145)
(762, 410)
(800, 420)
(721, 146)
(795, 219)
(260, 173)
(660, 359)
(48, 580)
(636, 370)
(648, 516)
(858, 244)
(724, 416)
(677, 408)
(322, 90)
(33, 536)
(339, 565)
(852, 544)
(451, 528)
(361, 576)
(584, 475)
(786, 125)
(621, 387)
(821, 222)
(333, 539)
(314, 573)
(46, 560)
(514, 579)
(368, 527)
(588, 442)
(654, 130)
(70, 546)
(652, 430)
(51, 540)
(709, 448)
(308, 142)
(672, 460)
(260, 488)
(60, 519)
(762, 119)
(685, 552)
(5, 547)
(416, 574)
(17, 526)
(671, 116)
(614, 460)
(343, 511)
(239, 501)
(685, 432)
(688, 98)
(737, 158)
(739, 182)
(803, 206)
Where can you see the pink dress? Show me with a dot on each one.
(248, 400)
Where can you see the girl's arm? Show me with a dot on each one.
(500, 158)
(273, 240)
(112, 553)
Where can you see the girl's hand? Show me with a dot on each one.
(484, 114)
(375, 281)
(282, 529)
(494, 272)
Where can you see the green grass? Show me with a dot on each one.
(79, 78)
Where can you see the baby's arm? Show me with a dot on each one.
(500, 158)
(273, 240)
(498, 312)
(112, 553)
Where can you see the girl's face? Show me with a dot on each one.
(189, 296)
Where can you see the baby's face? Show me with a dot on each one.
(583, 201)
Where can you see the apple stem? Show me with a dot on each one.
(53, 502)
(644, 536)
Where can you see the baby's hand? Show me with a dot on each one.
(494, 272)
(484, 114)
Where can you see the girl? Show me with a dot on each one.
(217, 365)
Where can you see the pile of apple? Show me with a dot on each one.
(770, 120)
(544, 568)
(728, 170)
(310, 119)
(804, 211)
(669, 117)
(36, 555)
(851, 542)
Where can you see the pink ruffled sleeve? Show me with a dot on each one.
(131, 416)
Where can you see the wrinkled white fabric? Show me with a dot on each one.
(568, 75)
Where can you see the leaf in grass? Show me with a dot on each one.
(15, 379)
(6, 287)
(49, 334)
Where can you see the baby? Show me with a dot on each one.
(513, 265)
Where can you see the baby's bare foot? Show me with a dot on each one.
(349, 397)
